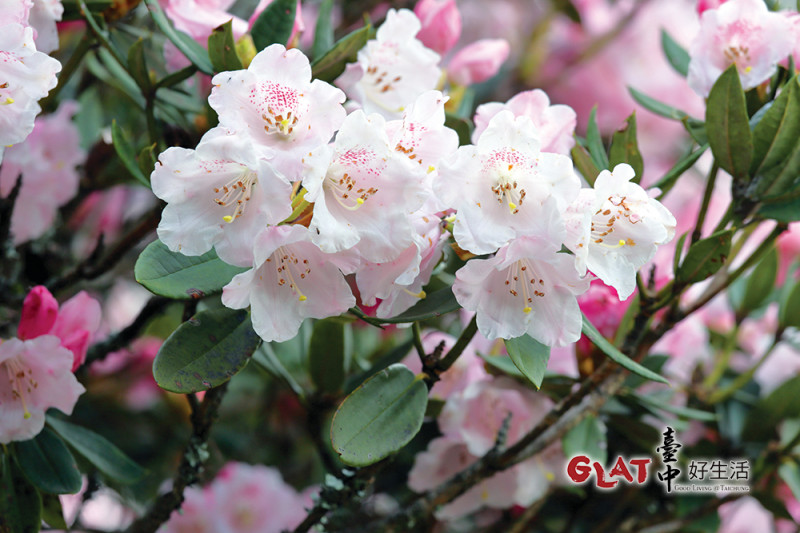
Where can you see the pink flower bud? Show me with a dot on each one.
(39, 312)
(478, 61)
(441, 24)
(703, 5)
(298, 27)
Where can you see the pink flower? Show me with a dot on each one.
(703, 5)
(555, 124)
(198, 18)
(75, 323)
(297, 28)
(277, 105)
(788, 245)
(740, 32)
(603, 308)
(744, 515)
(197, 514)
(478, 61)
(441, 24)
(15, 11)
(37, 375)
(47, 162)
(291, 280)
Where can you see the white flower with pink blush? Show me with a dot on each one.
(363, 191)
(27, 76)
(43, 18)
(555, 124)
(36, 375)
(527, 287)
(393, 69)
(615, 228)
(15, 11)
(291, 280)
(740, 32)
(219, 195)
(500, 185)
(198, 18)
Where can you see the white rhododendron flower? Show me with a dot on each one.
(363, 191)
(555, 124)
(614, 229)
(527, 287)
(742, 33)
(219, 195)
(43, 18)
(25, 76)
(275, 103)
(393, 69)
(291, 280)
(500, 185)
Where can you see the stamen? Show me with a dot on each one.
(237, 192)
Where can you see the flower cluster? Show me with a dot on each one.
(267, 190)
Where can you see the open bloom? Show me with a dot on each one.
(614, 229)
(363, 191)
(43, 18)
(499, 186)
(392, 69)
(742, 33)
(291, 280)
(275, 103)
(219, 195)
(36, 375)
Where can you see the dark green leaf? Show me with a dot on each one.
(72, 10)
(126, 153)
(52, 513)
(789, 315)
(147, 159)
(179, 276)
(530, 357)
(587, 438)
(20, 502)
(671, 177)
(659, 108)
(625, 148)
(462, 126)
(380, 417)
(323, 32)
(790, 474)
(188, 46)
(781, 404)
(705, 257)
(784, 211)
(728, 125)
(222, 49)
(584, 164)
(617, 356)
(48, 464)
(697, 129)
(504, 364)
(760, 283)
(676, 55)
(683, 412)
(327, 355)
(331, 65)
(205, 351)
(108, 459)
(274, 24)
(433, 305)
(137, 66)
(652, 362)
(594, 142)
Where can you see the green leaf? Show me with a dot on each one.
(323, 32)
(677, 56)
(669, 179)
(327, 355)
(274, 24)
(52, 513)
(659, 108)
(188, 46)
(47, 463)
(205, 351)
(379, 417)
(625, 148)
(462, 126)
(763, 420)
(785, 211)
(179, 276)
(704, 258)
(789, 314)
(147, 159)
(530, 357)
(126, 153)
(108, 459)
(778, 131)
(728, 125)
(760, 283)
(594, 142)
(587, 438)
(331, 65)
(72, 11)
(433, 305)
(137, 66)
(222, 49)
(583, 162)
(20, 502)
(617, 356)
(683, 412)
(504, 364)
(789, 471)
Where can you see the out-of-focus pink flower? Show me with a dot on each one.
(478, 61)
(39, 376)
(47, 162)
(703, 5)
(604, 309)
(788, 251)
(298, 27)
(744, 516)
(198, 18)
(441, 24)
(742, 33)
(196, 515)
(75, 323)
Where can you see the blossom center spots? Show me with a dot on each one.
(290, 269)
(524, 284)
(381, 80)
(737, 52)
(604, 223)
(7, 99)
(351, 189)
(278, 106)
(21, 380)
(236, 193)
(506, 166)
